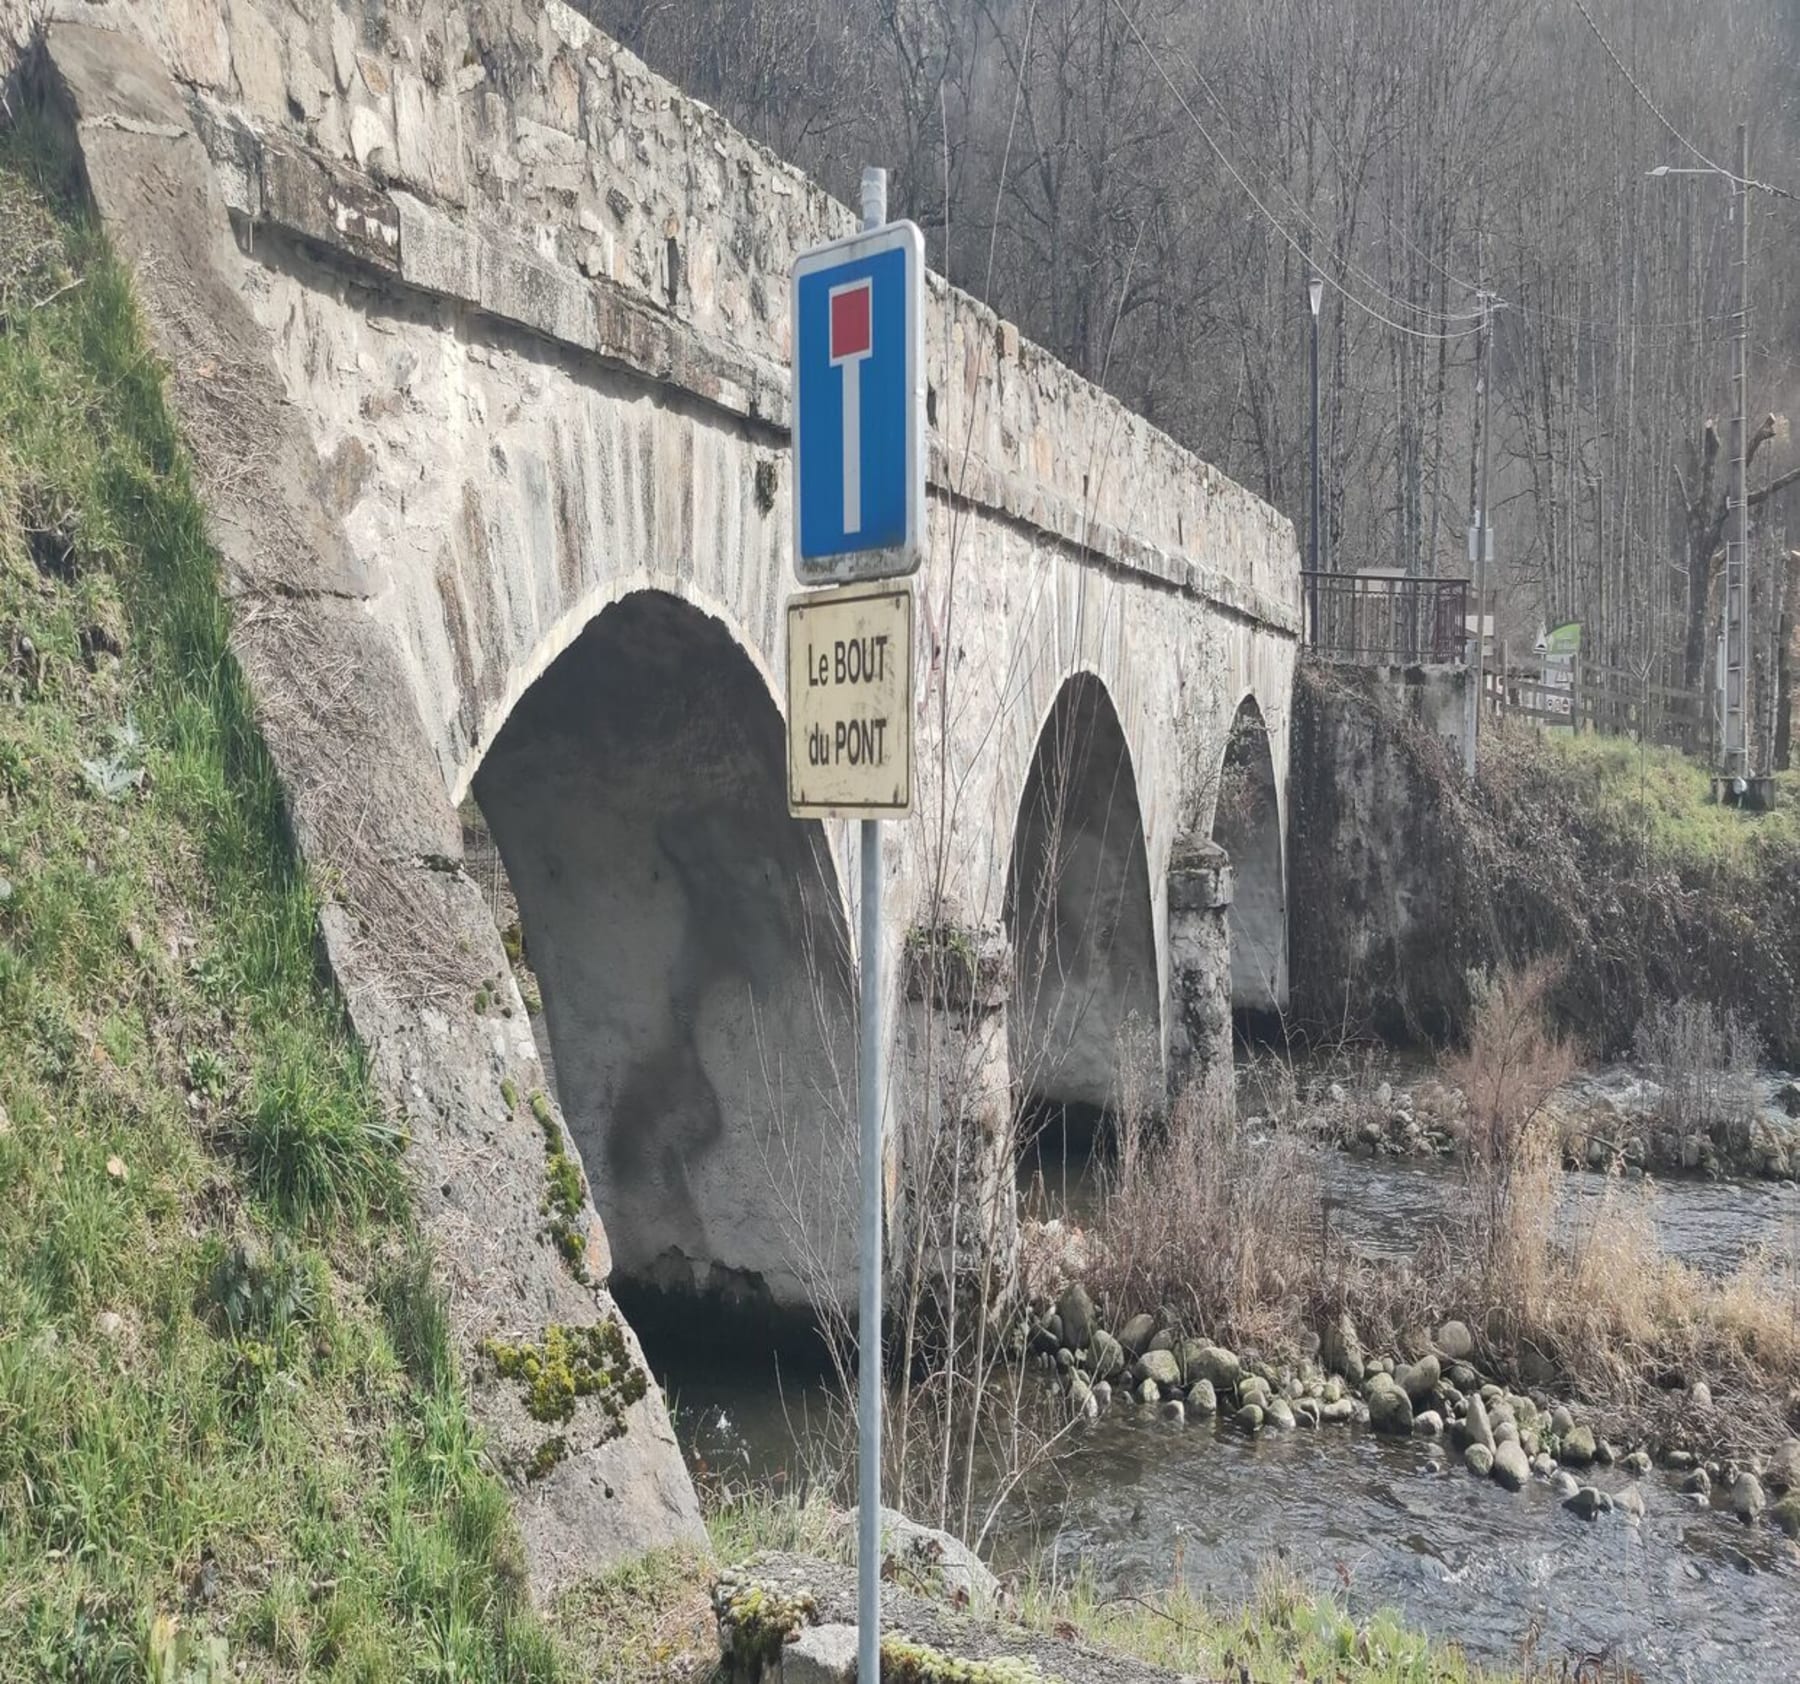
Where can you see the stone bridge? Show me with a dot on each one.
(477, 330)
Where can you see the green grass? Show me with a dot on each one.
(231, 1433)
(1284, 1632)
(1665, 798)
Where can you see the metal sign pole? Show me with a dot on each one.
(869, 1093)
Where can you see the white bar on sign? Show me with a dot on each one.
(852, 367)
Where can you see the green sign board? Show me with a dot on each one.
(1564, 642)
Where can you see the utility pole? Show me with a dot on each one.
(1315, 292)
(1481, 534)
(1734, 700)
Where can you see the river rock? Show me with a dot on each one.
(1678, 1461)
(1587, 1502)
(1103, 1394)
(1637, 1463)
(1148, 1392)
(1428, 1423)
(935, 1557)
(1544, 1465)
(1163, 1339)
(1562, 1423)
(1455, 1342)
(1510, 1467)
(1564, 1483)
(1630, 1501)
(1419, 1380)
(1135, 1336)
(1698, 1483)
(1700, 1395)
(1081, 1397)
(1477, 1429)
(1280, 1413)
(1786, 1515)
(1340, 1412)
(1462, 1376)
(1045, 1339)
(1577, 1447)
(1506, 1431)
(1747, 1499)
(1218, 1367)
(1390, 1410)
(1479, 1460)
(1255, 1390)
(1076, 1310)
(1174, 1411)
(1341, 1350)
(1202, 1399)
(1107, 1355)
(1249, 1419)
(1159, 1366)
(1784, 1467)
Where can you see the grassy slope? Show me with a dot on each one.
(227, 1408)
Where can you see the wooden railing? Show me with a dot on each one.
(1381, 619)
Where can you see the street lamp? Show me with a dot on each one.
(1734, 667)
(1315, 293)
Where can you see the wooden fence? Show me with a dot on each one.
(1601, 698)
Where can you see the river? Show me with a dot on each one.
(1687, 1593)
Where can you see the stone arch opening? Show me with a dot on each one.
(1084, 1018)
(690, 942)
(1247, 825)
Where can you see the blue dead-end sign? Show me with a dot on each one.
(859, 407)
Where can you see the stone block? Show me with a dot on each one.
(820, 1655)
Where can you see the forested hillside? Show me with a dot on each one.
(1144, 184)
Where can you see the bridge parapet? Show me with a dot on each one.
(509, 156)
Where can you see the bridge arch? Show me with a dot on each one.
(1247, 824)
(1086, 991)
(693, 952)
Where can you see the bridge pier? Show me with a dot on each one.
(952, 1122)
(1200, 887)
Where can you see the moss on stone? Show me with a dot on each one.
(571, 1364)
(547, 1456)
(565, 1193)
(918, 1663)
(757, 1621)
(509, 1091)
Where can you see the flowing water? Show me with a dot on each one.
(1688, 1593)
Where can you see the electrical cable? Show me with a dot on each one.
(1268, 216)
(1655, 111)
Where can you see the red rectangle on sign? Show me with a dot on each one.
(850, 329)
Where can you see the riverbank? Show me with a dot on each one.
(1601, 857)
(657, 1622)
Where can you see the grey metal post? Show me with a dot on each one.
(1736, 709)
(870, 1092)
(1314, 290)
(1486, 539)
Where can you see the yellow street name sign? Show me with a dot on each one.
(850, 691)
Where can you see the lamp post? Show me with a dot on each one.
(1315, 293)
(1734, 663)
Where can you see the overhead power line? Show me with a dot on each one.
(1269, 216)
(1655, 111)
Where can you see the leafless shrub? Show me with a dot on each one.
(1204, 1215)
(1508, 1073)
(1706, 1061)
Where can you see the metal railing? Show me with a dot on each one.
(1381, 619)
